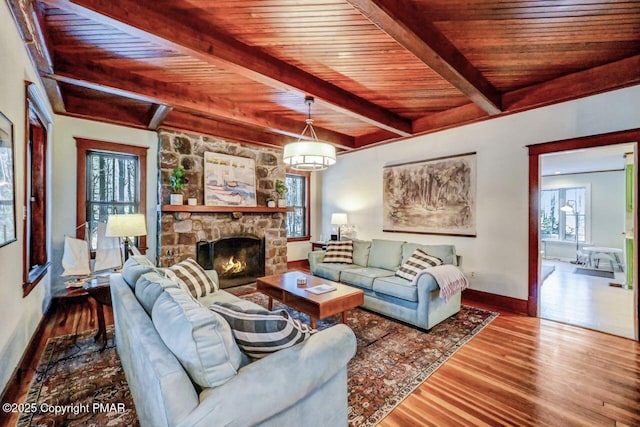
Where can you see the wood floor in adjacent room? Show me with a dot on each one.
(518, 371)
(587, 301)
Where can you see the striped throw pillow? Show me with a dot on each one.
(260, 332)
(418, 261)
(339, 251)
(191, 277)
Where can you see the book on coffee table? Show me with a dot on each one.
(321, 289)
(76, 283)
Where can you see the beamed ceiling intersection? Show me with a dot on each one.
(380, 70)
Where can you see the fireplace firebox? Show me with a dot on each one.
(238, 260)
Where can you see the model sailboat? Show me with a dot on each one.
(76, 259)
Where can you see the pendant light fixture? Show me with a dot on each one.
(309, 155)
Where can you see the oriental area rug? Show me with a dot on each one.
(392, 360)
(76, 384)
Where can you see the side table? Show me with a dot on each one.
(98, 288)
(72, 295)
(318, 246)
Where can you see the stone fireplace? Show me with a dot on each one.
(238, 260)
(180, 231)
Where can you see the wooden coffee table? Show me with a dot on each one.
(284, 288)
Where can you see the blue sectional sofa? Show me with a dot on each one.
(373, 270)
(302, 385)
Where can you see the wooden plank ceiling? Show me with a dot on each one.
(380, 70)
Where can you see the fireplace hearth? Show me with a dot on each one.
(238, 260)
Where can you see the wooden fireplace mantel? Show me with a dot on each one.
(214, 209)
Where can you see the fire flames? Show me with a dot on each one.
(233, 266)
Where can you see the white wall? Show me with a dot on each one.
(607, 209)
(64, 176)
(19, 316)
(497, 257)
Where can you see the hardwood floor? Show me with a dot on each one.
(518, 371)
(528, 372)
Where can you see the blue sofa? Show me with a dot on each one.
(302, 385)
(373, 270)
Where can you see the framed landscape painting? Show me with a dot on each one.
(7, 183)
(229, 180)
(436, 196)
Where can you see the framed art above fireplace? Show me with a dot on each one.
(229, 180)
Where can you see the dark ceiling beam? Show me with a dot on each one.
(121, 83)
(409, 28)
(179, 120)
(132, 17)
(55, 95)
(615, 75)
(29, 21)
(158, 114)
(84, 107)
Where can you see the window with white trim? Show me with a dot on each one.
(560, 225)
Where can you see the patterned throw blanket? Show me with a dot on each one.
(448, 277)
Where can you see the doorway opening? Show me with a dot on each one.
(583, 216)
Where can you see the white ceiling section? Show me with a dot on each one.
(586, 160)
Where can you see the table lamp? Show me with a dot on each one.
(126, 226)
(339, 219)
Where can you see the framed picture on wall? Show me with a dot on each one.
(436, 196)
(7, 183)
(229, 180)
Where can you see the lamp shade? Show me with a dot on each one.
(339, 219)
(567, 207)
(126, 225)
(309, 155)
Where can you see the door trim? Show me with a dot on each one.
(535, 151)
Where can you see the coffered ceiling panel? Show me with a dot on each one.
(336, 43)
(379, 70)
